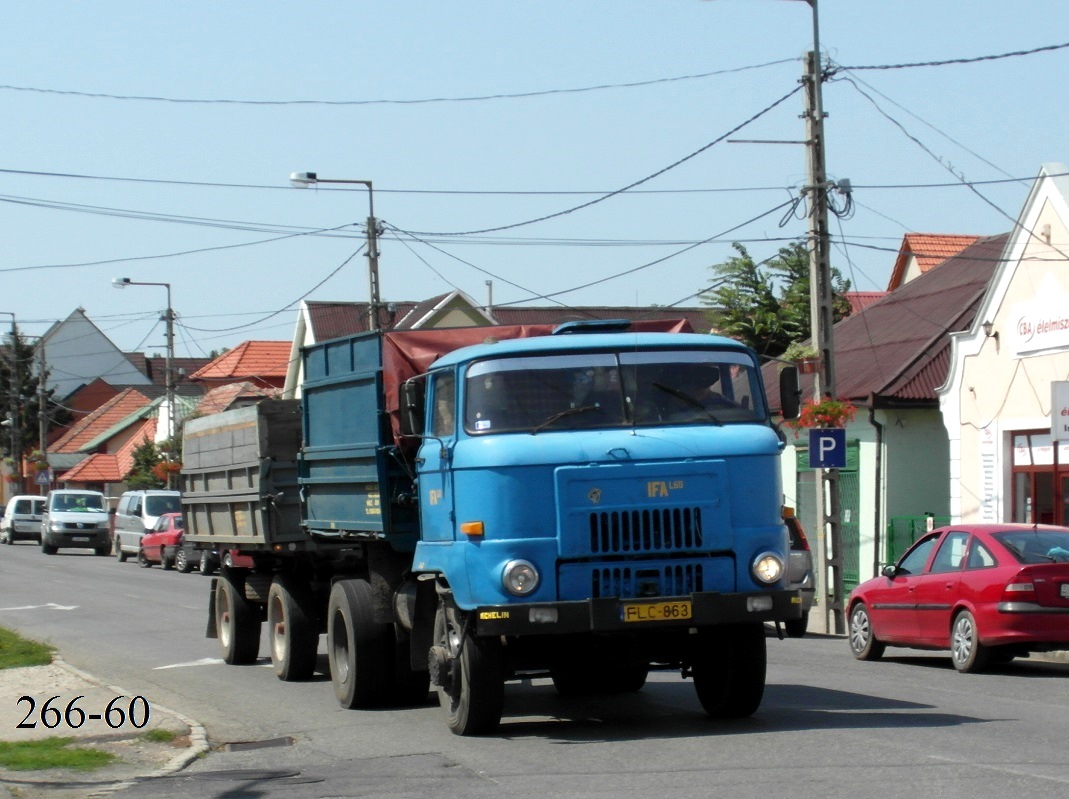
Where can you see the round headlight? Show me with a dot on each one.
(768, 568)
(519, 577)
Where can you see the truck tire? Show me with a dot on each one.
(292, 631)
(474, 695)
(728, 665)
(237, 621)
(359, 649)
(593, 668)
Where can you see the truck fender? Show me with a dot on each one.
(212, 631)
(422, 630)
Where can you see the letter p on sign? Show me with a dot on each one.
(827, 448)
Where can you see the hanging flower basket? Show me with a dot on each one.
(826, 413)
(808, 366)
(164, 469)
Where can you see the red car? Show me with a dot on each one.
(986, 592)
(163, 543)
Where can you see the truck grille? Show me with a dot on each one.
(668, 580)
(660, 530)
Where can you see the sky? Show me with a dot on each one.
(155, 141)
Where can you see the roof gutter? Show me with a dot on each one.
(877, 537)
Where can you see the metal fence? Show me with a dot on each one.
(903, 531)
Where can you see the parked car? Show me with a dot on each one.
(75, 519)
(22, 519)
(799, 573)
(986, 592)
(209, 561)
(163, 544)
(135, 515)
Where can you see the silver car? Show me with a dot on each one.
(799, 574)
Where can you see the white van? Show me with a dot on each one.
(75, 519)
(136, 515)
(22, 519)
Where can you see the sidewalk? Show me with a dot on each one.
(136, 756)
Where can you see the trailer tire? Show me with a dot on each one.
(728, 664)
(359, 649)
(474, 700)
(237, 621)
(292, 631)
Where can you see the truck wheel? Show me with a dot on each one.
(359, 649)
(119, 554)
(473, 689)
(291, 629)
(237, 622)
(728, 665)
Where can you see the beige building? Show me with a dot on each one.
(1005, 463)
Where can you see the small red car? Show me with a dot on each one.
(163, 543)
(986, 592)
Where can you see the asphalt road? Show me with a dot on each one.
(829, 726)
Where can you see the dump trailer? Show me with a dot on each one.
(460, 508)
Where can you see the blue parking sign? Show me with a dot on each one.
(827, 448)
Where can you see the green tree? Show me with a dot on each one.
(766, 304)
(19, 381)
(141, 475)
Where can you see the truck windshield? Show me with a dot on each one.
(598, 390)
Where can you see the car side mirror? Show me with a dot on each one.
(890, 571)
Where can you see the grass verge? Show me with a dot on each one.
(51, 753)
(16, 651)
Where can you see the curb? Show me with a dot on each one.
(198, 736)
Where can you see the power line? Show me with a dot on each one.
(954, 61)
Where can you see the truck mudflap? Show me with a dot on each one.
(606, 615)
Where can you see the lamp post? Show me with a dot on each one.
(14, 410)
(123, 282)
(303, 180)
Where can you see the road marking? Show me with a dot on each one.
(50, 606)
(203, 662)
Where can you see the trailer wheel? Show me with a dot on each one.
(728, 665)
(291, 629)
(359, 649)
(472, 687)
(237, 621)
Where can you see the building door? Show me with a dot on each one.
(1040, 479)
(850, 510)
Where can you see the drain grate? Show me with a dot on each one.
(248, 746)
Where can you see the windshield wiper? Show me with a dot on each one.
(687, 398)
(566, 412)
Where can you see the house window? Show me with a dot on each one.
(1040, 479)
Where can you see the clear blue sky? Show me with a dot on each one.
(197, 194)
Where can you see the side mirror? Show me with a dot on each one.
(790, 395)
(890, 571)
(412, 407)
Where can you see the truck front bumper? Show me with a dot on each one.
(611, 615)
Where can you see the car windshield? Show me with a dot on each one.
(1037, 546)
(157, 504)
(604, 390)
(79, 503)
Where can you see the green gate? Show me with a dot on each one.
(903, 531)
(850, 508)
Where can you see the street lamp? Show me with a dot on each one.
(123, 282)
(14, 388)
(303, 180)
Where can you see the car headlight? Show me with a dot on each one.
(520, 577)
(55, 527)
(767, 568)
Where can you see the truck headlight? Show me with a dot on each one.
(519, 577)
(767, 568)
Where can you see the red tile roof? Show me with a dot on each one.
(100, 420)
(111, 467)
(265, 361)
(929, 250)
(859, 300)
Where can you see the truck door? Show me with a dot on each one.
(435, 473)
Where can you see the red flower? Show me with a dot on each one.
(826, 413)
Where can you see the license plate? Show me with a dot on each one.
(80, 538)
(1065, 590)
(656, 611)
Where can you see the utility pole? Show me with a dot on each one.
(821, 317)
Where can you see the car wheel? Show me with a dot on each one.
(966, 651)
(143, 561)
(181, 562)
(205, 565)
(165, 562)
(5, 537)
(48, 549)
(863, 642)
(795, 628)
(103, 550)
(228, 561)
(119, 554)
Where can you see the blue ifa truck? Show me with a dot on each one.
(455, 509)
